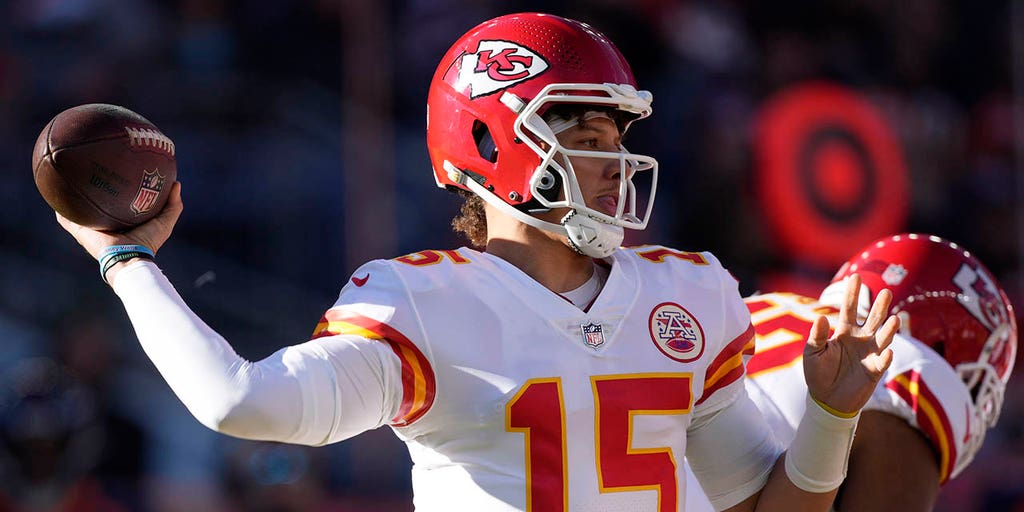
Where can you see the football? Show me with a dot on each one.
(104, 166)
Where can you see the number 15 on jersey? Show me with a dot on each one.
(537, 411)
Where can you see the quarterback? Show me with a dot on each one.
(944, 389)
(547, 368)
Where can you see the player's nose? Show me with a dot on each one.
(619, 168)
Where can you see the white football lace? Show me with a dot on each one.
(151, 138)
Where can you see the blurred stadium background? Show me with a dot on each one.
(300, 134)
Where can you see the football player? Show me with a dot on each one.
(553, 370)
(944, 389)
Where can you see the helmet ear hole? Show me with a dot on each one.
(547, 180)
(484, 142)
(550, 185)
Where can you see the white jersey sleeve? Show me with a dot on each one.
(775, 375)
(732, 454)
(723, 381)
(923, 389)
(372, 327)
(729, 450)
(919, 386)
(280, 398)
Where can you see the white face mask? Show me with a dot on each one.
(557, 159)
(589, 231)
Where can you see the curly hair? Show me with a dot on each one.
(471, 220)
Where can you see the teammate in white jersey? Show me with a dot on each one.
(944, 389)
(553, 370)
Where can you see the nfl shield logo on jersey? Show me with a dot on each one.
(152, 184)
(593, 334)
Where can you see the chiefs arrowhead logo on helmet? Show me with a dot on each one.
(979, 295)
(497, 65)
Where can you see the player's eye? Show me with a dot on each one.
(585, 143)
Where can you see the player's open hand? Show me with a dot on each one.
(152, 233)
(843, 369)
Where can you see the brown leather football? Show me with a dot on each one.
(104, 166)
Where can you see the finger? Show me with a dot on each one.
(884, 336)
(882, 362)
(174, 206)
(879, 310)
(817, 338)
(68, 225)
(155, 232)
(90, 240)
(175, 197)
(848, 309)
(74, 229)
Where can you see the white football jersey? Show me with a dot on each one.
(920, 386)
(509, 397)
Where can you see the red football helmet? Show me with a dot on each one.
(486, 132)
(949, 301)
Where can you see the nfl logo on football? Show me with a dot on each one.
(593, 335)
(152, 184)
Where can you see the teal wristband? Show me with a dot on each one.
(115, 254)
(114, 249)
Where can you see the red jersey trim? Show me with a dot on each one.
(931, 418)
(418, 383)
(728, 366)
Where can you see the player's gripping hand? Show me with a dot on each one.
(842, 370)
(152, 233)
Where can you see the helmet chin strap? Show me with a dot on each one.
(586, 235)
(591, 237)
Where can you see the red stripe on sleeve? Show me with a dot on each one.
(728, 366)
(418, 382)
(931, 418)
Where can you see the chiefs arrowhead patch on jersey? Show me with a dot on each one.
(496, 65)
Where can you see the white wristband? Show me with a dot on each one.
(816, 460)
